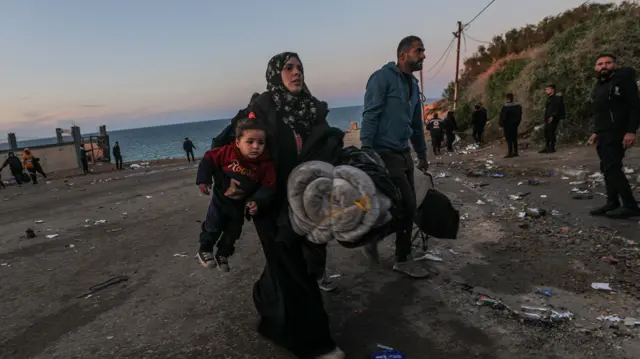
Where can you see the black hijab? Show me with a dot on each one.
(297, 110)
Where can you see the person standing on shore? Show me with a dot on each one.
(392, 116)
(478, 122)
(553, 112)
(188, 147)
(117, 156)
(616, 117)
(510, 118)
(83, 159)
(15, 166)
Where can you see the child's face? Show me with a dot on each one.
(251, 144)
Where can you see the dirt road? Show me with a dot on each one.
(171, 308)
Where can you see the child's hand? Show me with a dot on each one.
(253, 208)
(204, 188)
(234, 191)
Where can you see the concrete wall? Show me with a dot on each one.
(53, 158)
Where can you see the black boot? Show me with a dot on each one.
(601, 211)
(624, 212)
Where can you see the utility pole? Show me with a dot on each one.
(458, 34)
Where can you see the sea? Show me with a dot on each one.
(161, 142)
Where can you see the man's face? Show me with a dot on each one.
(605, 66)
(549, 91)
(415, 56)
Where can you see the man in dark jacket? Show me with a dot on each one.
(553, 113)
(616, 117)
(15, 166)
(188, 147)
(391, 118)
(478, 122)
(510, 118)
(450, 127)
(117, 156)
(84, 159)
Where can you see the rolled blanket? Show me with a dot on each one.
(327, 202)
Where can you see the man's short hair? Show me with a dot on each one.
(607, 54)
(509, 96)
(406, 44)
(551, 86)
(246, 124)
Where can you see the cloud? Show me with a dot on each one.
(91, 105)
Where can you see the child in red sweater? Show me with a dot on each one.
(244, 181)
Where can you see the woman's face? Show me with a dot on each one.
(292, 75)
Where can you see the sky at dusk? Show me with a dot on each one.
(141, 63)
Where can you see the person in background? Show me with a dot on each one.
(117, 156)
(32, 164)
(510, 118)
(450, 127)
(188, 147)
(478, 122)
(84, 159)
(15, 166)
(392, 116)
(616, 116)
(437, 135)
(553, 113)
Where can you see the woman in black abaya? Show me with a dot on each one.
(287, 295)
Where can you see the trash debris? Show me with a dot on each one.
(100, 221)
(480, 202)
(522, 214)
(429, 256)
(70, 246)
(544, 314)
(441, 175)
(497, 175)
(601, 286)
(109, 282)
(610, 318)
(183, 254)
(577, 183)
(628, 171)
(631, 322)
(545, 292)
(543, 196)
(333, 276)
(388, 354)
(30, 233)
(535, 212)
(533, 182)
(518, 196)
(52, 236)
(148, 197)
(609, 259)
(39, 221)
(564, 178)
(114, 230)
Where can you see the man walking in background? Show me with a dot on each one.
(117, 156)
(616, 117)
(15, 166)
(510, 118)
(188, 147)
(392, 116)
(478, 122)
(553, 113)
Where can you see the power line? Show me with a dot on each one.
(480, 13)
(444, 62)
(446, 51)
(476, 40)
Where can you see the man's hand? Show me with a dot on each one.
(629, 140)
(423, 165)
(253, 208)
(550, 119)
(204, 188)
(234, 191)
(593, 139)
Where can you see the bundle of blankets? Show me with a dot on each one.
(346, 202)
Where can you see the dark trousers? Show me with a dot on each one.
(287, 296)
(2, 182)
(190, 153)
(400, 167)
(450, 138)
(219, 227)
(17, 175)
(118, 162)
(316, 257)
(511, 136)
(550, 130)
(477, 134)
(436, 143)
(32, 172)
(85, 165)
(611, 152)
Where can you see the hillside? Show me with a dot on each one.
(561, 50)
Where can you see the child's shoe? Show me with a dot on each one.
(223, 263)
(206, 259)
